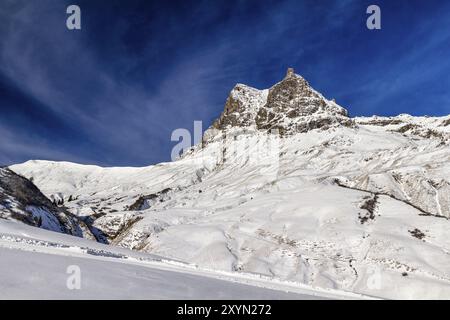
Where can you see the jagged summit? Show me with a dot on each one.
(291, 105)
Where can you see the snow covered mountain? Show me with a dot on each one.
(285, 185)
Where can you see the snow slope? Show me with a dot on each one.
(285, 185)
(34, 265)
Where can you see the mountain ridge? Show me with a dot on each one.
(293, 106)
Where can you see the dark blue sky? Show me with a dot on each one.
(112, 93)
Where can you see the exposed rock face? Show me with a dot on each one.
(289, 106)
(241, 107)
(21, 200)
(294, 97)
(146, 201)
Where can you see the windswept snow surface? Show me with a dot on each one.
(32, 268)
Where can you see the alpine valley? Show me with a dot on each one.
(286, 196)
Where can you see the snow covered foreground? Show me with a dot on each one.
(355, 204)
(34, 265)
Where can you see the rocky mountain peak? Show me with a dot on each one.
(21, 200)
(290, 106)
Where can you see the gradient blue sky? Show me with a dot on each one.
(112, 93)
